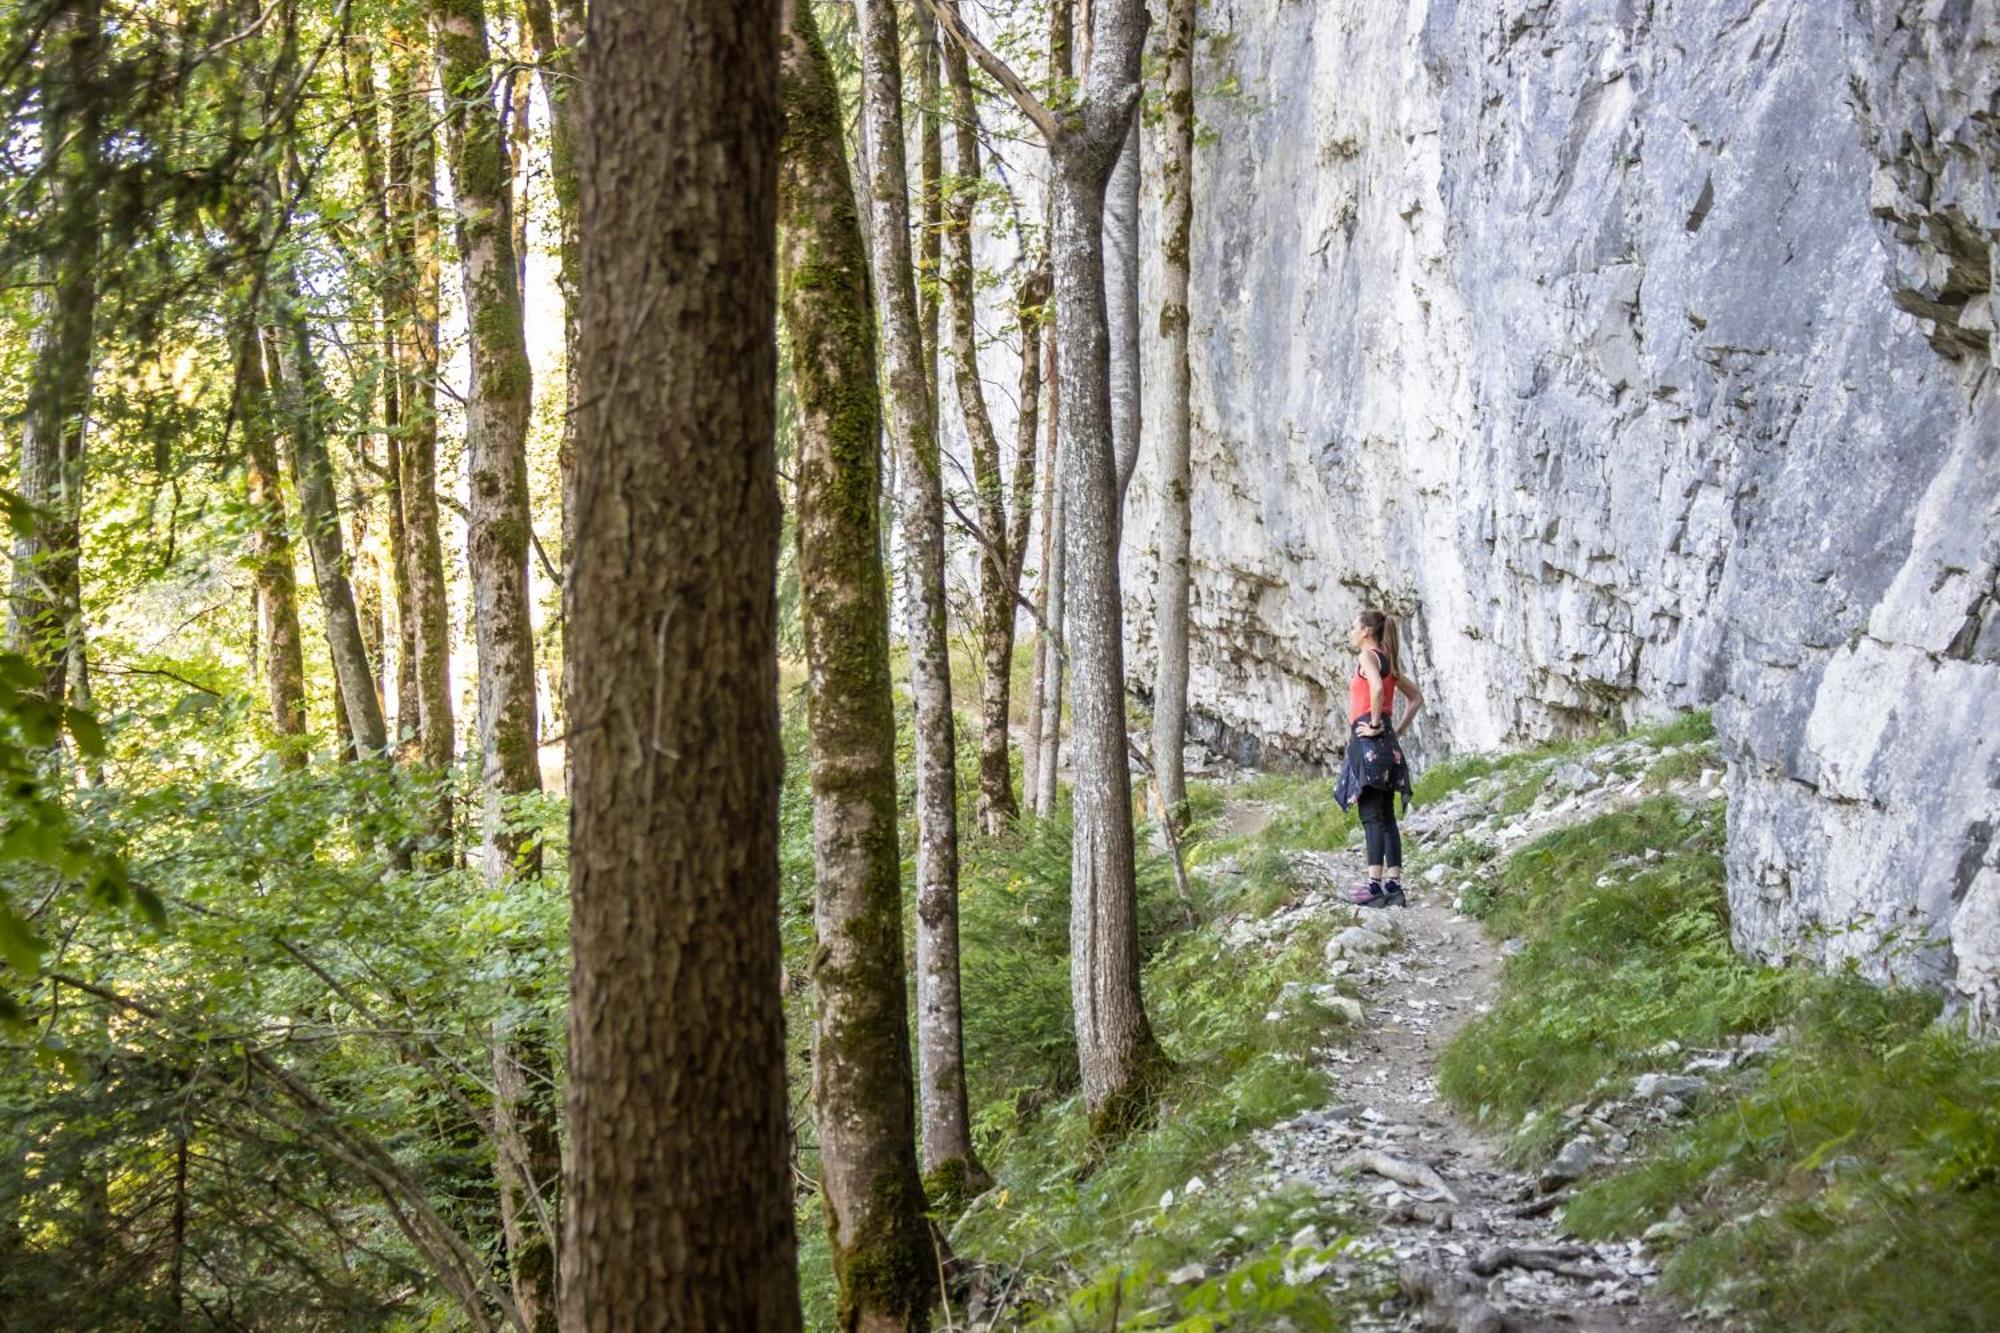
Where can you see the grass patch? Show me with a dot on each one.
(1853, 1185)
(1608, 970)
(1240, 1027)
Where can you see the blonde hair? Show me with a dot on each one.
(1383, 626)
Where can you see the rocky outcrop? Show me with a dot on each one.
(1640, 352)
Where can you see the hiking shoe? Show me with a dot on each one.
(1371, 894)
(1392, 894)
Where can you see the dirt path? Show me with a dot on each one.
(1493, 1256)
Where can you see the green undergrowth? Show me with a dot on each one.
(1076, 1226)
(1849, 1182)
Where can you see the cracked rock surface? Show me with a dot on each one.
(1641, 355)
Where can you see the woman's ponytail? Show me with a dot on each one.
(1383, 626)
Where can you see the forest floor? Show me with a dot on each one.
(1472, 1243)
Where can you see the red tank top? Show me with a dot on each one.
(1359, 702)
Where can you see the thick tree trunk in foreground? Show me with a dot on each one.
(1170, 610)
(1116, 1051)
(679, 1189)
(44, 608)
(497, 550)
(997, 807)
(280, 647)
(861, 1039)
(413, 176)
(303, 396)
(947, 1123)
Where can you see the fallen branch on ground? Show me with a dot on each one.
(1414, 1174)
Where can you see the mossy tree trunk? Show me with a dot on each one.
(679, 1187)
(947, 1127)
(1121, 299)
(302, 395)
(280, 648)
(997, 807)
(497, 409)
(861, 1040)
(45, 605)
(1170, 609)
(413, 213)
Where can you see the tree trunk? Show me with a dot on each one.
(358, 70)
(1045, 694)
(946, 1120)
(413, 173)
(930, 193)
(303, 398)
(997, 808)
(1170, 611)
(503, 630)
(45, 609)
(861, 1039)
(1121, 299)
(557, 33)
(679, 1189)
(280, 646)
(1116, 1052)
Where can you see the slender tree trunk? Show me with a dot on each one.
(679, 1188)
(997, 807)
(1045, 689)
(1121, 299)
(45, 609)
(358, 70)
(1116, 1052)
(861, 1039)
(946, 1120)
(1170, 612)
(930, 193)
(280, 646)
(497, 550)
(413, 173)
(557, 32)
(303, 398)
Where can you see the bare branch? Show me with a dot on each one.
(1031, 106)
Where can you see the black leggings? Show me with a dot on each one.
(1378, 821)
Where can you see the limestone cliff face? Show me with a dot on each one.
(1641, 353)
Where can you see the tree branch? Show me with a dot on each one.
(1031, 106)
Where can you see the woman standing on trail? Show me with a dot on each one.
(1375, 770)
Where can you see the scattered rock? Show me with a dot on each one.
(1355, 941)
(1577, 1157)
(1656, 1087)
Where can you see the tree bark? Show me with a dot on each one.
(1170, 611)
(1121, 299)
(503, 631)
(556, 30)
(413, 177)
(678, 1184)
(45, 607)
(1116, 1052)
(930, 193)
(997, 807)
(280, 655)
(1045, 694)
(947, 1122)
(302, 396)
(861, 1040)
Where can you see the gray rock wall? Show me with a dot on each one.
(1640, 352)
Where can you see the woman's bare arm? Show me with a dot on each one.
(1408, 689)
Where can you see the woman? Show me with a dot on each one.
(1374, 773)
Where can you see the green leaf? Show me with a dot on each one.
(19, 944)
(89, 735)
